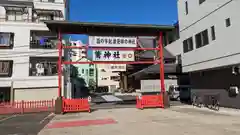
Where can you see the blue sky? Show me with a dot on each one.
(123, 11)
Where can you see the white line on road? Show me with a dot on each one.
(12, 116)
(51, 114)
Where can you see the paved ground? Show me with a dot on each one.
(128, 102)
(107, 98)
(27, 124)
(178, 120)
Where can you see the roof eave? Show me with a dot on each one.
(68, 27)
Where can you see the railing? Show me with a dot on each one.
(48, 71)
(20, 107)
(50, 1)
(4, 19)
(36, 44)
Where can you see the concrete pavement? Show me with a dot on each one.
(178, 120)
(24, 124)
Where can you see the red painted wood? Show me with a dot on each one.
(76, 105)
(147, 101)
(81, 123)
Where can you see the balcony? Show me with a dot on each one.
(41, 15)
(43, 66)
(50, 1)
(43, 40)
(29, 14)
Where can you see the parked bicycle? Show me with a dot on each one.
(197, 101)
(213, 102)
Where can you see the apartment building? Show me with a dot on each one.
(28, 51)
(208, 46)
(78, 54)
(107, 79)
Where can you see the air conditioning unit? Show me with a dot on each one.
(235, 70)
(233, 91)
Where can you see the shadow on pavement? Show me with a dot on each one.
(25, 124)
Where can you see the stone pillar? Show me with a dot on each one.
(125, 84)
(166, 100)
(59, 105)
(121, 80)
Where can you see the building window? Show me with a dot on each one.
(115, 78)
(104, 78)
(45, 17)
(6, 67)
(228, 22)
(188, 45)
(91, 72)
(6, 40)
(201, 1)
(202, 39)
(86, 71)
(213, 33)
(52, 1)
(43, 40)
(41, 15)
(14, 16)
(179, 59)
(43, 66)
(103, 70)
(82, 71)
(186, 7)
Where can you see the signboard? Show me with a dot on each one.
(100, 55)
(106, 41)
(118, 67)
(6, 68)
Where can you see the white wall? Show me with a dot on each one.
(175, 48)
(225, 49)
(78, 52)
(196, 11)
(107, 75)
(35, 94)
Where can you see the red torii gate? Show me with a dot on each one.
(103, 29)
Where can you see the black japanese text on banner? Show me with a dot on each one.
(100, 55)
(107, 41)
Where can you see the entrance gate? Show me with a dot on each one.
(96, 44)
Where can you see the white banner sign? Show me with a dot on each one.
(106, 41)
(118, 67)
(100, 55)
